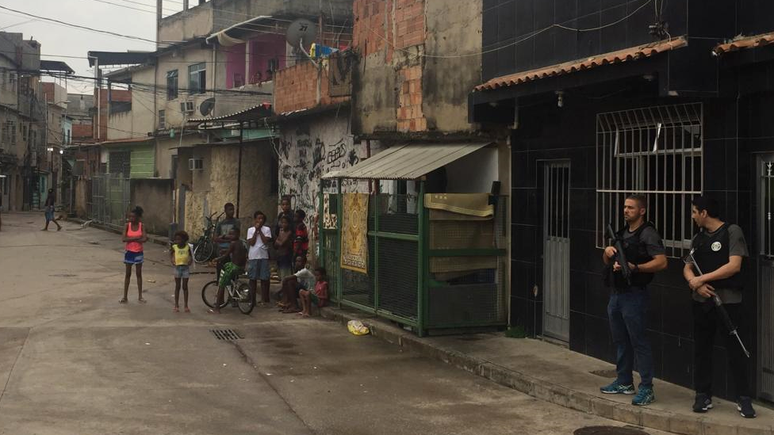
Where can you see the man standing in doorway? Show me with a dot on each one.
(719, 249)
(222, 237)
(629, 301)
(50, 209)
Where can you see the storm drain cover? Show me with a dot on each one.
(225, 334)
(609, 430)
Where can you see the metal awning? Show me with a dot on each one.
(408, 161)
(230, 36)
(259, 111)
(55, 65)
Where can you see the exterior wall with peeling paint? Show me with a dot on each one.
(308, 149)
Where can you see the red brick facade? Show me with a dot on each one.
(105, 96)
(395, 25)
(296, 88)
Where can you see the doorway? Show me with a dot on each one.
(556, 250)
(765, 254)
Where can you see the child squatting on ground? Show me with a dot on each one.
(232, 269)
(318, 296)
(134, 237)
(181, 257)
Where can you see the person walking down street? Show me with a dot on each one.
(284, 246)
(301, 240)
(181, 257)
(719, 250)
(629, 300)
(50, 209)
(237, 253)
(221, 236)
(259, 239)
(134, 237)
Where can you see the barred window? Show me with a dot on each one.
(656, 152)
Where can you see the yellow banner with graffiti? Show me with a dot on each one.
(354, 243)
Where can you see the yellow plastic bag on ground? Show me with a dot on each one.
(356, 327)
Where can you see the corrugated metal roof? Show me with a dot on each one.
(745, 42)
(261, 110)
(409, 161)
(129, 140)
(625, 55)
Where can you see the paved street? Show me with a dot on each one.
(74, 361)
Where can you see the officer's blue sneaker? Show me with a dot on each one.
(617, 388)
(644, 396)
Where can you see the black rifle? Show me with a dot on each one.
(620, 257)
(732, 329)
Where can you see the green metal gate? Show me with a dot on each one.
(399, 285)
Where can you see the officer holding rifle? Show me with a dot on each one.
(638, 253)
(715, 280)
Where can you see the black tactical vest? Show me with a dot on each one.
(636, 253)
(711, 254)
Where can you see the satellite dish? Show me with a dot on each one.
(301, 30)
(206, 107)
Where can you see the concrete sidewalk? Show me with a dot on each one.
(560, 376)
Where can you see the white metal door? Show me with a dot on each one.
(766, 278)
(556, 250)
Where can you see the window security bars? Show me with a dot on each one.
(656, 152)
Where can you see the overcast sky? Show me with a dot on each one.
(59, 40)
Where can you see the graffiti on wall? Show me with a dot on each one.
(309, 152)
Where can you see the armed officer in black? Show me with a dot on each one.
(629, 300)
(719, 249)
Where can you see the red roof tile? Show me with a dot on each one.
(743, 43)
(625, 55)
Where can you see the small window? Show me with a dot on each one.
(239, 80)
(197, 78)
(162, 119)
(172, 85)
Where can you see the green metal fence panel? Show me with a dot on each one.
(400, 284)
(475, 297)
(398, 278)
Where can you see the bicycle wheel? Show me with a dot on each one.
(244, 298)
(203, 251)
(210, 295)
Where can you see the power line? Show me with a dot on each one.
(141, 86)
(511, 44)
(78, 26)
(129, 7)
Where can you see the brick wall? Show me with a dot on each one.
(389, 26)
(116, 95)
(82, 131)
(295, 88)
(410, 116)
(409, 23)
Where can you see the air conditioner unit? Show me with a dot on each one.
(187, 107)
(195, 164)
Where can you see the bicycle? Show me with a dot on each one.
(237, 292)
(204, 247)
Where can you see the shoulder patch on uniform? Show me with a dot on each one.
(716, 246)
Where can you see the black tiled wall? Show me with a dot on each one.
(569, 133)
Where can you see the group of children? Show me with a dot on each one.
(290, 241)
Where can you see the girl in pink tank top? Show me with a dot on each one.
(134, 237)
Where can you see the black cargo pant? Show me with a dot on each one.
(706, 321)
